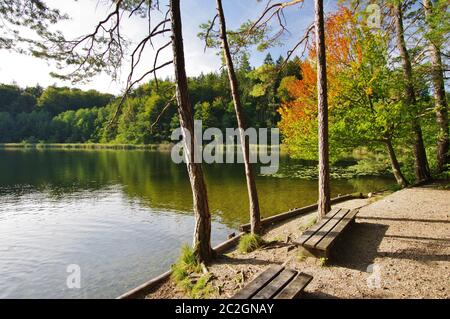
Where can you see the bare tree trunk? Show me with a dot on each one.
(324, 204)
(396, 170)
(443, 143)
(255, 218)
(202, 234)
(420, 158)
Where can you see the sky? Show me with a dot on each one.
(84, 15)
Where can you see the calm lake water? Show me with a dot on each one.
(120, 215)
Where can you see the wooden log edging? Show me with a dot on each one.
(296, 212)
(144, 289)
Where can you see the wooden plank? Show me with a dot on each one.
(278, 283)
(144, 289)
(295, 287)
(310, 232)
(227, 245)
(258, 283)
(314, 240)
(328, 240)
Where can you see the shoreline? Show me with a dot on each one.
(231, 244)
(166, 146)
(85, 146)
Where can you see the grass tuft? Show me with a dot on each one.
(249, 243)
(185, 273)
(202, 288)
(301, 257)
(322, 261)
(186, 264)
(308, 224)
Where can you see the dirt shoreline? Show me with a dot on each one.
(399, 247)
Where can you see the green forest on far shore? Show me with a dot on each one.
(68, 115)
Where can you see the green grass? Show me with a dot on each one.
(322, 261)
(301, 256)
(249, 243)
(311, 221)
(202, 288)
(443, 187)
(184, 271)
(186, 264)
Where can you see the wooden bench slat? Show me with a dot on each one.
(310, 232)
(295, 287)
(272, 288)
(343, 223)
(258, 283)
(319, 235)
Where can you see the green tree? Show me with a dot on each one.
(7, 127)
(268, 60)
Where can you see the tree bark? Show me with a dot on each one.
(396, 170)
(255, 216)
(202, 235)
(324, 204)
(421, 169)
(440, 99)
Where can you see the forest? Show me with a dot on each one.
(67, 115)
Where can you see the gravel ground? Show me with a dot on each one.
(399, 247)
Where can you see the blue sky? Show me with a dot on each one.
(26, 70)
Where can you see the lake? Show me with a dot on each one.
(121, 216)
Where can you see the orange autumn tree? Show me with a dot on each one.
(299, 111)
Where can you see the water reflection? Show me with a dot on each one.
(120, 215)
(153, 179)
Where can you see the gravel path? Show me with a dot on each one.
(399, 247)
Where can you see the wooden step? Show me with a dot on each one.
(258, 283)
(295, 287)
(278, 283)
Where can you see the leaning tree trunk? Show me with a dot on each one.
(396, 170)
(441, 106)
(324, 204)
(255, 218)
(202, 235)
(421, 169)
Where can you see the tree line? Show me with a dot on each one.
(68, 115)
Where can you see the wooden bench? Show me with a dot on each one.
(318, 240)
(276, 282)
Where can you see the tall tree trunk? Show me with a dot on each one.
(396, 170)
(421, 169)
(441, 106)
(255, 218)
(324, 204)
(202, 235)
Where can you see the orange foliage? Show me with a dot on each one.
(298, 114)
